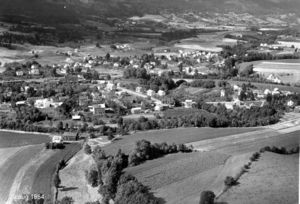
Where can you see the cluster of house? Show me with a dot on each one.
(34, 70)
(260, 96)
(150, 92)
(274, 79)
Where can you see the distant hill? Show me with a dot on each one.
(71, 11)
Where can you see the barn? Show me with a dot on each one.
(71, 136)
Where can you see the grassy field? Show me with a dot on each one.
(42, 182)
(273, 179)
(175, 167)
(74, 182)
(11, 167)
(287, 70)
(179, 178)
(178, 135)
(11, 139)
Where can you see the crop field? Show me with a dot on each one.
(177, 136)
(179, 178)
(272, 179)
(26, 166)
(42, 182)
(12, 139)
(206, 42)
(10, 168)
(173, 168)
(287, 70)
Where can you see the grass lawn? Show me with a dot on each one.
(11, 139)
(42, 182)
(272, 179)
(178, 136)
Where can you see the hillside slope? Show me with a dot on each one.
(71, 11)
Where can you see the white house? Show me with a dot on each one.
(161, 107)
(188, 103)
(139, 89)
(19, 73)
(275, 91)
(34, 70)
(57, 139)
(161, 93)
(267, 91)
(290, 103)
(110, 86)
(150, 93)
(274, 79)
(223, 93)
(21, 103)
(43, 103)
(76, 117)
(136, 110)
(97, 109)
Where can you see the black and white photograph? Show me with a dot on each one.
(149, 101)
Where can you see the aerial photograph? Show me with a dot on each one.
(149, 101)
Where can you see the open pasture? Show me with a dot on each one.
(13, 139)
(177, 136)
(272, 179)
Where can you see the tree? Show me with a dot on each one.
(229, 181)
(67, 200)
(56, 183)
(60, 125)
(87, 149)
(207, 197)
(92, 177)
(98, 154)
(107, 56)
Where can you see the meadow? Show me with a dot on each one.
(279, 174)
(177, 136)
(13, 139)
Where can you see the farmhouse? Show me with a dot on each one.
(150, 93)
(34, 70)
(57, 139)
(139, 89)
(161, 93)
(188, 103)
(42, 103)
(76, 117)
(70, 136)
(161, 107)
(19, 73)
(223, 93)
(110, 86)
(136, 110)
(83, 100)
(21, 103)
(274, 79)
(290, 103)
(98, 109)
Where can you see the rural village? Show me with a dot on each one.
(150, 109)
